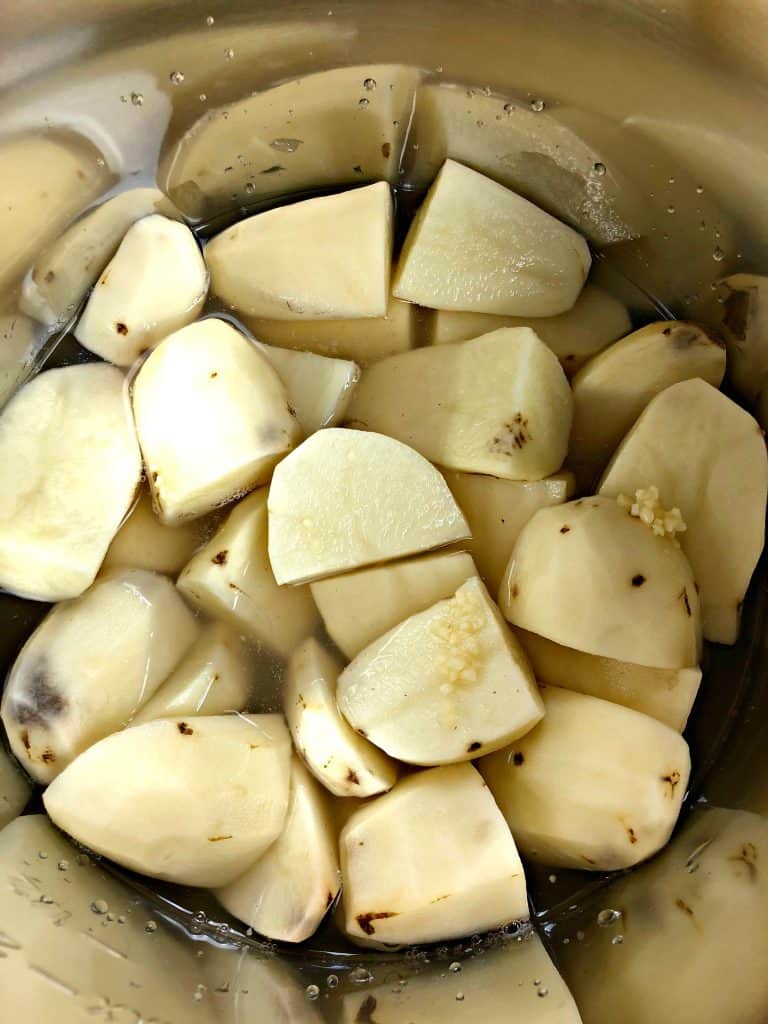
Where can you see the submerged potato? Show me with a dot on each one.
(15, 789)
(745, 329)
(318, 387)
(143, 542)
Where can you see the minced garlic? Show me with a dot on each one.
(458, 629)
(647, 507)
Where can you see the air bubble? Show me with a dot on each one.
(608, 917)
(363, 102)
(718, 255)
(42, 855)
(151, 927)
(229, 53)
(285, 145)
(210, 20)
(537, 105)
(46, 899)
(508, 108)
(199, 993)
(671, 209)
(617, 940)
(459, 997)
(360, 976)
(369, 84)
(671, 181)
(177, 77)
(63, 865)
(312, 992)
(137, 99)
(332, 980)
(579, 936)
(121, 919)
(99, 906)
(250, 188)
(699, 190)
(202, 97)
(455, 967)
(542, 992)
(552, 879)
(599, 169)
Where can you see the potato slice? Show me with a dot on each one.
(430, 861)
(155, 284)
(143, 542)
(611, 391)
(90, 665)
(318, 388)
(664, 694)
(497, 510)
(745, 329)
(69, 468)
(477, 246)
(589, 575)
(498, 404)
(599, 805)
(289, 890)
(323, 258)
(448, 684)
(190, 802)
(212, 417)
(707, 457)
(345, 763)
(231, 579)
(346, 498)
(15, 789)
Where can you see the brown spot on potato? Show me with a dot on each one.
(631, 835)
(121, 328)
(291, 411)
(514, 590)
(48, 756)
(365, 921)
(365, 1011)
(736, 317)
(587, 860)
(686, 603)
(439, 899)
(682, 905)
(671, 780)
(747, 855)
(386, 149)
(518, 759)
(154, 478)
(357, 169)
(329, 899)
(638, 580)
(220, 558)
(50, 276)
(25, 739)
(214, 375)
(39, 702)
(565, 529)
(271, 170)
(352, 777)
(475, 745)
(362, 732)
(217, 839)
(184, 729)
(514, 434)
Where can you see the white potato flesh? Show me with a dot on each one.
(212, 418)
(497, 510)
(594, 786)
(745, 329)
(594, 321)
(707, 457)
(15, 789)
(345, 763)
(20, 341)
(69, 469)
(231, 579)
(589, 575)
(155, 284)
(663, 693)
(143, 542)
(318, 388)
(212, 678)
(359, 607)
(190, 802)
(323, 258)
(611, 391)
(348, 498)
(478, 247)
(498, 404)
(448, 684)
(90, 665)
(289, 890)
(431, 860)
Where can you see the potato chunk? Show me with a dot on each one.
(319, 388)
(143, 542)
(745, 328)
(15, 789)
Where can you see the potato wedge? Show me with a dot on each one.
(745, 329)
(318, 388)
(143, 542)
(15, 789)
(600, 805)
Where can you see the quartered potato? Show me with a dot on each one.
(345, 763)
(144, 542)
(359, 607)
(347, 498)
(90, 665)
(212, 417)
(155, 284)
(707, 457)
(478, 247)
(497, 510)
(323, 258)
(69, 469)
(190, 802)
(611, 391)
(230, 578)
(594, 786)
(432, 860)
(589, 575)
(289, 890)
(15, 789)
(664, 694)
(498, 404)
(745, 329)
(318, 388)
(448, 684)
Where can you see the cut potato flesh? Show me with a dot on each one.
(497, 510)
(289, 890)
(745, 329)
(347, 498)
(318, 388)
(231, 579)
(155, 284)
(600, 805)
(90, 665)
(20, 341)
(212, 417)
(478, 247)
(432, 860)
(448, 684)
(664, 694)
(143, 542)
(611, 391)
(15, 789)
(707, 457)
(323, 258)
(589, 575)
(345, 763)
(69, 468)
(499, 404)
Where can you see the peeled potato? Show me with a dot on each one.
(323, 258)
(69, 468)
(347, 498)
(345, 763)
(591, 576)
(707, 457)
(230, 578)
(212, 417)
(448, 684)
(745, 329)
(15, 789)
(432, 860)
(21, 340)
(143, 542)
(318, 388)
(594, 786)
(90, 665)
(497, 404)
(189, 802)
(477, 246)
